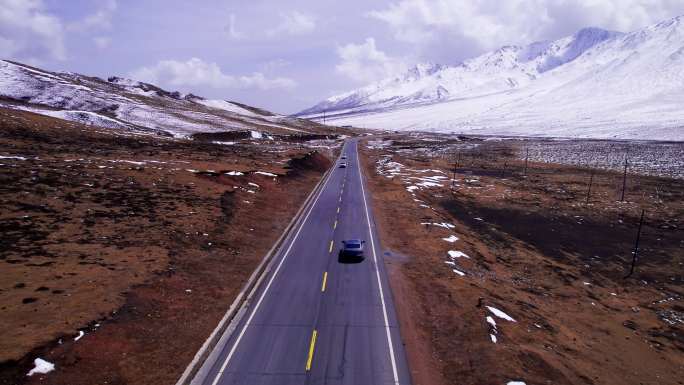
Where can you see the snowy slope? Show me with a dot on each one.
(128, 104)
(594, 83)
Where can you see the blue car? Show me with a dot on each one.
(353, 248)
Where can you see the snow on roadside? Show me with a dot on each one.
(429, 184)
(443, 224)
(41, 367)
(265, 173)
(81, 333)
(416, 180)
(379, 144)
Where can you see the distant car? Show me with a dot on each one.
(353, 248)
(344, 156)
(343, 165)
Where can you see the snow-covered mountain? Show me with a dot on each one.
(595, 83)
(131, 105)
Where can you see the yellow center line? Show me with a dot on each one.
(331, 245)
(325, 281)
(335, 225)
(311, 350)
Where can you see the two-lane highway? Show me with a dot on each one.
(318, 318)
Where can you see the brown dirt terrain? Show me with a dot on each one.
(536, 251)
(140, 242)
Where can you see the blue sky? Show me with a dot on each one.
(288, 55)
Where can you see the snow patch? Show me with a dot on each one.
(453, 254)
(13, 157)
(501, 314)
(41, 367)
(256, 135)
(226, 106)
(443, 224)
(451, 239)
(265, 173)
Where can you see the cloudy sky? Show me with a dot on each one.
(286, 55)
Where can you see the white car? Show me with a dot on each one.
(343, 164)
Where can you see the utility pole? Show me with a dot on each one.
(453, 177)
(591, 180)
(624, 181)
(635, 253)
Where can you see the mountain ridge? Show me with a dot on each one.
(132, 105)
(507, 57)
(630, 81)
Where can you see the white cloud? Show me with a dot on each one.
(488, 24)
(293, 23)
(102, 42)
(29, 33)
(273, 65)
(102, 19)
(231, 29)
(365, 63)
(198, 73)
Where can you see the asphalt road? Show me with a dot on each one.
(316, 318)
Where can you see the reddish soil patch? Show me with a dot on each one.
(538, 252)
(140, 242)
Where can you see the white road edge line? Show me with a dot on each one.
(270, 281)
(377, 272)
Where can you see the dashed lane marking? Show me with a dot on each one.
(325, 281)
(312, 345)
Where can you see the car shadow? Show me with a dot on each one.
(349, 259)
